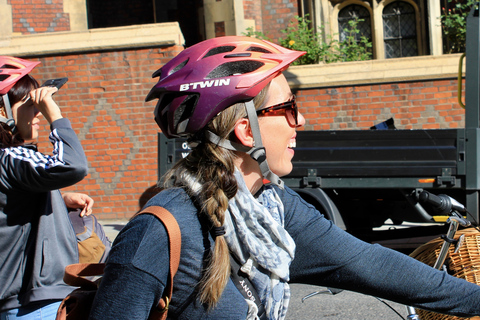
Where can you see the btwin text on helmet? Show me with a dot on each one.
(204, 84)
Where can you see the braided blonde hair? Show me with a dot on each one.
(213, 168)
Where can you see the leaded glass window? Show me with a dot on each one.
(354, 12)
(399, 29)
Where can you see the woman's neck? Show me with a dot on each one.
(251, 173)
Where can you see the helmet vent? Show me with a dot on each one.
(185, 110)
(238, 55)
(258, 49)
(8, 66)
(179, 67)
(219, 50)
(157, 73)
(4, 77)
(234, 68)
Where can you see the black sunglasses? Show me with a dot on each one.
(290, 108)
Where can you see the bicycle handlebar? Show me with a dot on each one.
(441, 203)
(462, 221)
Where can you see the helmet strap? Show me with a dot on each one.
(8, 110)
(227, 144)
(257, 153)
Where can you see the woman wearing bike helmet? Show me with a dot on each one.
(37, 240)
(228, 97)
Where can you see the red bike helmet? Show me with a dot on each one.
(13, 69)
(212, 75)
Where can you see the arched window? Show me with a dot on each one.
(351, 13)
(399, 30)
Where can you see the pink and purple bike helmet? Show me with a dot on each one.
(211, 76)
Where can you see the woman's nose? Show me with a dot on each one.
(301, 120)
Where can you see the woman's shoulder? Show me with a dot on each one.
(290, 198)
(295, 207)
(143, 241)
(175, 200)
(178, 203)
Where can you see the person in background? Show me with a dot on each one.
(37, 239)
(229, 98)
(93, 243)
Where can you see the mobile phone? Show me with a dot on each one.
(59, 82)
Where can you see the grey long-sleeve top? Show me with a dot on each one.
(37, 240)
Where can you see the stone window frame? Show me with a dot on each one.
(325, 12)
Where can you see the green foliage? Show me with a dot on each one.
(299, 36)
(255, 34)
(350, 48)
(454, 25)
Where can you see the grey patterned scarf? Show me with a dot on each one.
(256, 235)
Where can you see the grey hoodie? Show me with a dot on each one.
(37, 239)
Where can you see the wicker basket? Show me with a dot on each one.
(464, 264)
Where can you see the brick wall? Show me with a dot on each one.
(276, 16)
(38, 16)
(104, 100)
(253, 10)
(413, 105)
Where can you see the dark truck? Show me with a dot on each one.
(361, 178)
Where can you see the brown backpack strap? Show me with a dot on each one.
(75, 273)
(175, 243)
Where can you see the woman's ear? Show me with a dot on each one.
(243, 132)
